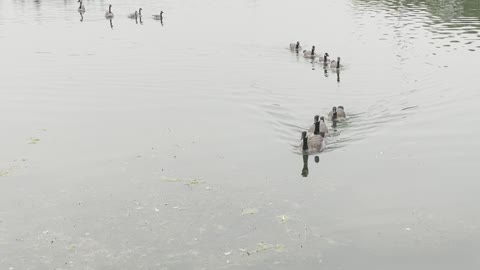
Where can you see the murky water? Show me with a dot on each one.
(147, 145)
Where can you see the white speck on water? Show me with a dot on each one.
(156, 209)
(408, 229)
(228, 253)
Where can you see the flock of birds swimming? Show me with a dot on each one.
(109, 14)
(313, 140)
(312, 54)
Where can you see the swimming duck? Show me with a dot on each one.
(341, 112)
(295, 46)
(325, 58)
(333, 114)
(133, 15)
(310, 54)
(314, 142)
(337, 114)
(158, 17)
(109, 14)
(335, 64)
(81, 8)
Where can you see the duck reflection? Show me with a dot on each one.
(81, 15)
(338, 75)
(305, 164)
(111, 23)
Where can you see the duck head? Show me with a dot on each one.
(315, 119)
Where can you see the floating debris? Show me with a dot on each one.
(195, 182)
(264, 247)
(283, 218)
(186, 182)
(170, 180)
(3, 173)
(249, 211)
(228, 253)
(33, 140)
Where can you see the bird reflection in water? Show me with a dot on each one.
(81, 15)
(111, 23)
(338, 75)
(305, 164)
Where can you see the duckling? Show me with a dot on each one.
(295, 46)
(109, 14)
(310, 54)
(133, 15)
(335, 64)
(81, 8)
(158, 17)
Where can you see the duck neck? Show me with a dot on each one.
(313, 51)
(324, 58)
(317, 128)
(305, 143)
(338, 63)
(110, 9)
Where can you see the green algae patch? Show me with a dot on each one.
(3, 173)
(195, 182)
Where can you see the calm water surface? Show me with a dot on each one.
(142, 145)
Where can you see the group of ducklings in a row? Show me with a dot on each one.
(314, 138)
(325, 60)
(134, 15)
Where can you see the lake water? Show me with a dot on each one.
(142, 145)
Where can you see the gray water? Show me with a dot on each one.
(142, 145)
